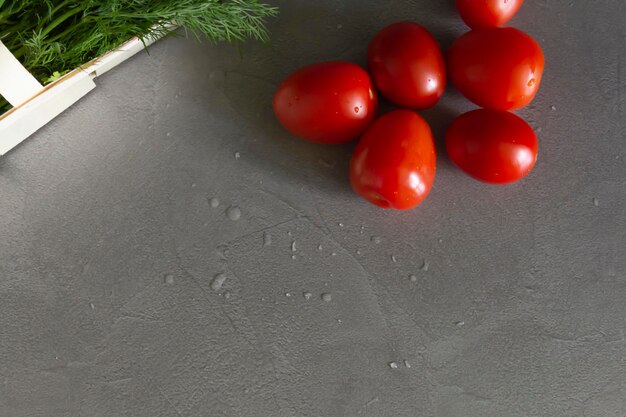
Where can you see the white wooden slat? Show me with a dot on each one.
(17, 85)
(20, 124)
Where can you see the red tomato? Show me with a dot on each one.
(492, 146)
(393, 165)
(407, 65)
(331, 102)
(496, 68)
(487, 13)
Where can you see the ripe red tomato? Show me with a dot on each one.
(407, 65)
(393, 166)
(492, 146)
(496, 68)
(487, 13)
(330, 102)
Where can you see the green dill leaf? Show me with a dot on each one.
(50, 36)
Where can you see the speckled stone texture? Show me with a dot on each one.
(117, 219)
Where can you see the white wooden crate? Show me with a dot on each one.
(35, 105)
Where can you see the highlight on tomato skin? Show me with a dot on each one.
(487, 13)
(492, 146)
(394, 163)
(496, 68)
(328, 102)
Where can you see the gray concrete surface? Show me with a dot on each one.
(110, 243)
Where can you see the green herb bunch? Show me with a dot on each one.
(52, 37)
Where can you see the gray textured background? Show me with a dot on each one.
(109, 244)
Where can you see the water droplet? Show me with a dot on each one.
(393, 365)
(358, 252)
(553, 107)
(334, 254)
(223, 251)
(531, 82)
(293, 246)
(287, 294)
(168, 134)
(227, 295)
(289, 233)
(307, 295)
(377, 240)
(425, 266)
(233, 213)
(293, 257)
(214, 202)
(93, 307)
(327, 297)
(460, 323)
(319, 247)
(194, 185)
(327, 164)
(407, 364)
(237, 155)
(341, 224)
(356, 109)
(169, 279)
(339, 321)
(412, 278)
(267, 239)
(596, 202)
(218, 281)
(393, 258)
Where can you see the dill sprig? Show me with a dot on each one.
(52, 37)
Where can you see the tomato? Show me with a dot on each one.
(492, 146)
(496, 68)
(407, 65)
(330, 102)
(487, 13)
(393, 165)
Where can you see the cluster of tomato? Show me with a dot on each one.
(393, 165)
